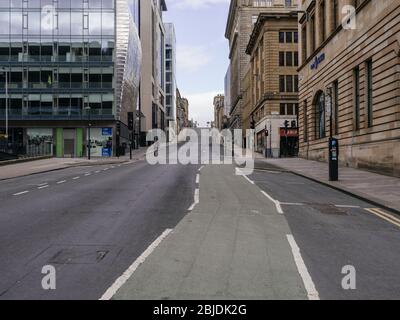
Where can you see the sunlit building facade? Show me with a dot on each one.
(71, 64)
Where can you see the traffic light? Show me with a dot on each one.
(286, 126)
(294, 125)
(118, 128)
(130, 121)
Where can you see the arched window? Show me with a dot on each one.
(320, 123)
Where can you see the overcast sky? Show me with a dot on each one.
(202, 52)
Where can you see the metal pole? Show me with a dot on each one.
(89, 143)
(7, 107)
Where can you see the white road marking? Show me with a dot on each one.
(43, 187)
(196, 199)
(98, 171)
(248, 179)
(106, 169)
(87, 174)
(42, 184)
(291, 204)
(20, 193)
(312, 292)
(129, 272)
(276, 202)
(76, 178)
(201, 168)
(346, 206)
(61, 182)
(197, 179)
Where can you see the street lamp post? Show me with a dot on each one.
(6, 87)
(89, 147)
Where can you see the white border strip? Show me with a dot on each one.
(312, 292)
(128, 273)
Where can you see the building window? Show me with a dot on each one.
(305, 114)
(336, 107)
(304, 43)
(313, 33)
(296, 58)
(335, 10)
(282, 110)
(281, 59)
(369, 98)
(289, 59)
(356, 95)
(282, 83)
(281, 37)
(320, 124)
(322, 20)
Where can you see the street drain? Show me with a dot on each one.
(76, 255)
(327, 208)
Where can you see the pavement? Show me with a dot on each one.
(51, 164)
(378, 189)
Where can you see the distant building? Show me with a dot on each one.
(170, 77)
(182, 113)
(350, 83)
(271, 104)
(152, 87)
(219, 104)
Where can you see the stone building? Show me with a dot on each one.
(219, 103)
(182, 112)
(271, 99)
(350, 82)
(241, 18)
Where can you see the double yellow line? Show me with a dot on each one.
(386, 216)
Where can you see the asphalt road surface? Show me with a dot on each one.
(91, 223)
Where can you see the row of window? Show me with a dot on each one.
(288, 58)
(58, 52)
(61, 24)
(320, 105)
(288, 37)
(289, 109)
(289, 83)
(65, 104)
(61, 4)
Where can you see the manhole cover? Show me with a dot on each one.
(327, 208)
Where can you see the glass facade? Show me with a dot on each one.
(60, 58)
(64, 59)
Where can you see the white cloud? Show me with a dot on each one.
(196, 4)
(192, 58)
(201, 107)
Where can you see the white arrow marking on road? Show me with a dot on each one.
(312, 292)
(129, 272)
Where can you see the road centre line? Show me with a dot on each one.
(129, 272)
(197, 179)
(62, 181)
(20, 193)
(43, 187)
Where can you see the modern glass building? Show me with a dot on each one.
(70, 64)
(170, 78)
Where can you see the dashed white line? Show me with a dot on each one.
(276, 202)
(76, 178)
(347, 206)
(312, 292)
(129, 272)
(20, 193)
(201, 168)
(197, 179)
(61, 182)
(42, 184)
(248, 179)
(106, 169)
(196, 199)
(43, 187)
(98, 171)
(87, 174)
